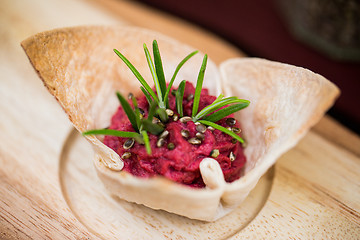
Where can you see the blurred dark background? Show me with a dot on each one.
(320, 35)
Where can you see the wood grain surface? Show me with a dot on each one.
(315, 192)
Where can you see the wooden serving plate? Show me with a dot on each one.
(49, 189)
(108, 216)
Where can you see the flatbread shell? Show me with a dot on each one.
(286, 101)
(79, 68)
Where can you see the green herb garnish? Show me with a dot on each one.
(221, 128)
(175, 73)
(140, 124)
(159, 85)
(159, 102)
(146, 140)
(115, 133)
(226, 112)
(159, 68)
(198, 88)
(217, 104)
(137, 75)
(179, 98)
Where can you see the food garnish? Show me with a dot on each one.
(159, 112)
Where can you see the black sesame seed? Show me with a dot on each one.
(155, 120)
(200, 136)
(214, 153)
(164, 134)
(201, 128)
(171, 146)
(232, 156)
(236, 130)
(126, 155)
(128, 143)
(130, 96)
(185, 119)
(230, 121)
(190, 97)
(210, 128)
(185, 133)
(160, 142)
(169, 112)
(142, 112)
(194, 141)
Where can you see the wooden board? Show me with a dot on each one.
(313, 191)
(108, 217)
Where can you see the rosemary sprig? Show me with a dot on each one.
(221, 128)
(138, 116)
(151, 112)
(175, 73)
(146, 141)
(161, 113)
(116, 133)
(198, 88)
(147, 95)
(137, 75)
(140, 125)
(221, 96)
(129, 111)
(151, 127)
(159, 101)
(159, 68)
(157, 73)
(216, 116)
(217, 104)
(153, 71)
(179, 98)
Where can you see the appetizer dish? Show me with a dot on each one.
(169, 131)
(197, 141)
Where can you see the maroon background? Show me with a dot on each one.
(258, 29)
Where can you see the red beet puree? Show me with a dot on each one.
(181, 164)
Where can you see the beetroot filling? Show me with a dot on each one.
(182, 163)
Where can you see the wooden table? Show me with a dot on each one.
(315, 187)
